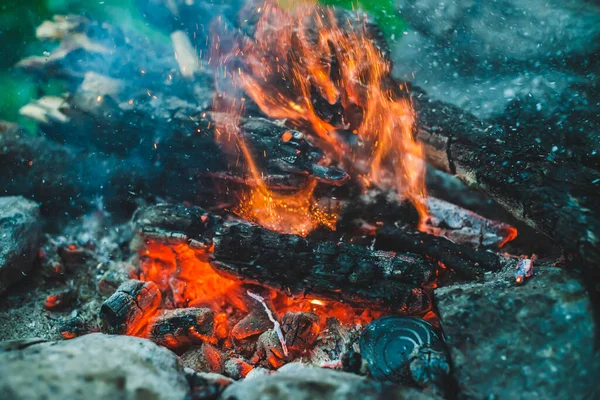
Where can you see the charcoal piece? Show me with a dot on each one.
(61, 299)
(176, 223)
(204, 358)
(110, 281)
(300, 330)
(376, 206)
(73, 255)
(351, 361)
(182, 327)
(20, 235)
(269, 351)
(237, 368)
(467, 262)
(51, 265)
(464, 226)
(205, 385)
(73, 327)
(252, 324)
(127, 311)
(405, 350)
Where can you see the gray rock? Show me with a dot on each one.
(94, 366)
(298, 382)
(481, 56)
(20, 235)
(529, 341)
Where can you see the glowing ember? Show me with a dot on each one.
(297, 213)
(186, 280)
(304, 57)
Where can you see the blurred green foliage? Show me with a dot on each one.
(18, 21)
(20, 18)
(383, 11)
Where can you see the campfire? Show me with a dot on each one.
(268, 194)
(254, 287)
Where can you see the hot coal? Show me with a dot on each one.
(204, 358)
(237, 368)
(300, 331)
(61, 299)
(127, 311)
(182, 327)
(255, 323)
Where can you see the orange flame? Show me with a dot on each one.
(304, 56)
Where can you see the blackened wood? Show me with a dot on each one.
(183, 326)
(300, 330)
(353, 274)
(467, 262)
(127, 311)
(553, 194)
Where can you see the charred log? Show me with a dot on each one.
(297, 266)
(336, 271)
(553, 194)
(127, 311)
(467, 262)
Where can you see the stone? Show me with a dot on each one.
(20, 236)
(530, 341)
(509, 30)
(94, 366)
(299, 382)
(484, 56)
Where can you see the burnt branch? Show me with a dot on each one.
(556, 196)
(467, 262)
(297, 266)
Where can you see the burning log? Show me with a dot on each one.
(183, 326)
(465, 227)
(297, 266)
(359, 276)
(556, 196)
(467, 262)
(353, 274)
(127, 311)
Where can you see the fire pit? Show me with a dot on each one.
(262, 197)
